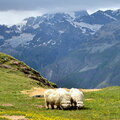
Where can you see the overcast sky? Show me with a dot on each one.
(13, 11)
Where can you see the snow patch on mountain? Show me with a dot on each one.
(21, 24)
(101, 48)
(50, 42)
(110, 17)
(87, 68)
(19, 40)
(8, 31)
(1, 37)
(61, 31)
(116, 12)
(72, 14)
(36, 26)
(94, 27)
(54, 42)
(83, 30)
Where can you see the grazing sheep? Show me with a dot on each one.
(77, 97)
(64, 99)
(60, 97)
(49, 96)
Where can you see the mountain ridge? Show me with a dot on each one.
(65, 47)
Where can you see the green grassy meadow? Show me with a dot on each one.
(99, 105)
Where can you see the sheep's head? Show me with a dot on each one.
(66, 105)
(80, 104)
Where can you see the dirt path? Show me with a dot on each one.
(40, 91)
(14, 117)
(7, 105)
(90, 90)
(34, 91)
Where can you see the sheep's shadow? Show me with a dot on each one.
(73, 109)
(83, 108)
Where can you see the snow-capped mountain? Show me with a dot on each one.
(63, 45)
(101, 17)
(50, 29)
(58, 24)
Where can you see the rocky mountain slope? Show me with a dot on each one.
(73, 49)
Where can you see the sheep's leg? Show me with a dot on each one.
(47, 105)
(61, 107)
(75, 104)
(71, 102)
(58, 107)
(52, 106)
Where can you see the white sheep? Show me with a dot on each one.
(64, 99)
(77, 98)
(60, 97)
(49, 96)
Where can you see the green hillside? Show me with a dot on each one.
(99, 105)
(12, 69)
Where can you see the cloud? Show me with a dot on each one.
(14, 11)
(15, 17)
(51, 5)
